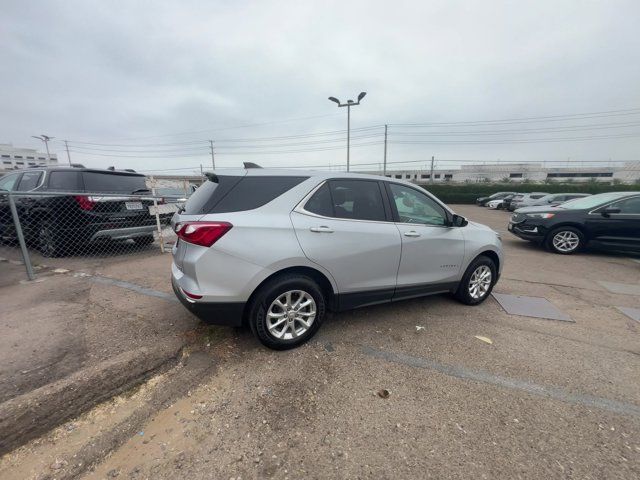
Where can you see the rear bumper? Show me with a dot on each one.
(123, 233)
(229, 314)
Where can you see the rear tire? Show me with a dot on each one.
(287, 311)
(50, 241)
(565, 240)
(477, 282)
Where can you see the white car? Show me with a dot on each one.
(495, 204)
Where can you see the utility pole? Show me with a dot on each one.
(66, 146)
(349, 104)
(385, 150)
(45, 139)
(213, 158)
(431, 176)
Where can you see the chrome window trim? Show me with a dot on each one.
(299, 208)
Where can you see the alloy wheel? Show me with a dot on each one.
(566, 241)
(480, 282)
(291, 314)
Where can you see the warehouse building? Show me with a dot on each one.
(16, 157)
(521, 172)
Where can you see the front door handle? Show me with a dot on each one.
(411, 233)
(321, 229)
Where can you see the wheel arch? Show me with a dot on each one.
(577, 226)
(320, 278)
(493, 256)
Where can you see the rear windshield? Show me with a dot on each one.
(238, 193)
(113, 182)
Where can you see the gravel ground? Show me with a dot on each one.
(375, 397)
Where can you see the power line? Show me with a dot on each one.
(550, 118)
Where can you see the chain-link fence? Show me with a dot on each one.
(37, 225)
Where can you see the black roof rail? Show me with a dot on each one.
(76, 165)
(129, 170)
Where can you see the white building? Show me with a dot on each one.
(521, 172)
(15, 157)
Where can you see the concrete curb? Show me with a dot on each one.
(32, 414)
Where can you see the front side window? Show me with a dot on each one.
(629, 206)
(416, 207)
(8, 182)
(29, 181)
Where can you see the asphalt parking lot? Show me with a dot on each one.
(405, 390)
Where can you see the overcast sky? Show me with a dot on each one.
(145, 73)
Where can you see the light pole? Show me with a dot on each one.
(45, 139)
(349, 104)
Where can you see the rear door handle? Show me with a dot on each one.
(321, 229)
(411, 233)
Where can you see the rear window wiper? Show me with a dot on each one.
(141, 190)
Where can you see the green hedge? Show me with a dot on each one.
(467, 193)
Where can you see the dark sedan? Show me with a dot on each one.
(608, 220)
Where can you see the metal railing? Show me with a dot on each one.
(39, 225)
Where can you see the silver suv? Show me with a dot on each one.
(276, 249)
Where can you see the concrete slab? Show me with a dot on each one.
(536, 307)
(633, 313)
(621, 288)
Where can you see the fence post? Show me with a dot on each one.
(155, 207)
(23, 245)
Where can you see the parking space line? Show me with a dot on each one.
(132, 286)
(555, 393)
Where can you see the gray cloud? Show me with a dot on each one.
(104, 71)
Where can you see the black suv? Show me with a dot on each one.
(607, 220)
(82, 214)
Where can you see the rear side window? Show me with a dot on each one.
(64, 181)
(320, 202)
(357, 200)
(254, 192)
(113, 182)
(29, 181)
(236, 194)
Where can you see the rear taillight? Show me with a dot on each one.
(204, 234)
(85, 203)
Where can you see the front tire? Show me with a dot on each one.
(565, 240)
(287, 311)
(478, 281)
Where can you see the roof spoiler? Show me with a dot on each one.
(212, 177)
(251, 165)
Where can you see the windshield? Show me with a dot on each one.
(591, 201)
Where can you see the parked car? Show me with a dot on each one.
(499, 203)
(58, 224)
(554, 199)
(525, 199)
(276, 249)
(499, 195)
(607, 220)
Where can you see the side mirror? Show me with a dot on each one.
(608, 211)
(459, 221)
